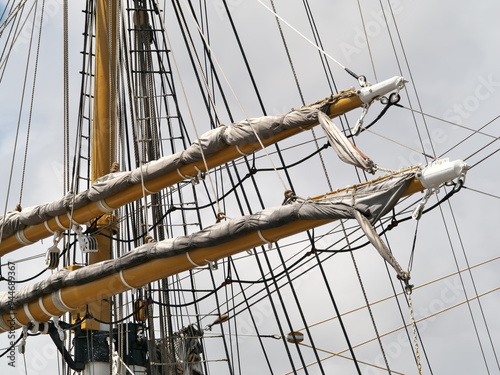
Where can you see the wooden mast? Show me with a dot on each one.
(103, 149)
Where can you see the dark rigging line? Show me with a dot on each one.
(478, 131)
(473, 285)
(464, 288)
(483, 159)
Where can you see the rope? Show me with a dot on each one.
(482, 192)
(308, 40)
(415, 336)
(474, 287)
(477, 132)
(452, 247)
(409, 72)
(367, 41)
(247, 118)
(66, 178)
(32, 92)
(482, 148)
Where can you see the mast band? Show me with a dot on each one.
(58, 302)
(46, 224)
(103, 206)
(239, 151)
(191, 261)
(124, 281)
(28, 313)
(40, 303)
(59, 223)
(261, 236)
(21, 238)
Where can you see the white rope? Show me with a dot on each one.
(415, 336)
(322, 51)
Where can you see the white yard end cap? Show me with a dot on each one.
(367, 94)
(441, 171)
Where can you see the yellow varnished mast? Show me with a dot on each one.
(103, 149)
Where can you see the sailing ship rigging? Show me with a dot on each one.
(182, 245)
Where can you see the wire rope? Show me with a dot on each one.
(455, 259)
(308, 40)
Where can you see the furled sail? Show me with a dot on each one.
(238, 135)
(213, 148)
(66, 289)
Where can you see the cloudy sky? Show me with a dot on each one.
(447, 50)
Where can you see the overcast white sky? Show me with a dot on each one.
(452, 50)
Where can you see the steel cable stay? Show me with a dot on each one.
(368, 40)
(18, 127)
(245, 196)
(32, 96)
(462, 246)
(407, 64)
(15, 32)
(474, 131)
(219, 312)
(481, 149)
(271, 301)
(252, 317)
(452, 248)
(240, 104)
(317, 39)
(482, 192)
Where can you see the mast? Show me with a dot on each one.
(103, 154)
